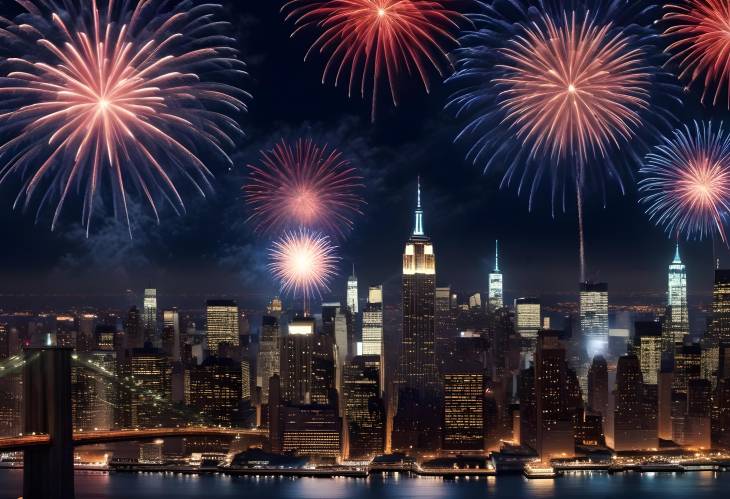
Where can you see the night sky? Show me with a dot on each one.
(210, 251)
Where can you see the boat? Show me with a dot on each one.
(540, 470)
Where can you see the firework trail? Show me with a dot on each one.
(303, 262)
(127, 94)
(562, 94)
(303, 184)
(685, 182)
(373, 43)
(701, 45)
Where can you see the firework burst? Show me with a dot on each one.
(132, 94)
(372, 43)
(303, 262)
(562, 95)
(303, 184)
(700, 30)
(685, 182)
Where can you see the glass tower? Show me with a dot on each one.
(352, 292)
(677, 300)
(594, 317)
(496, 297)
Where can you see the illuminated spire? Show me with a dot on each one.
(676, 255)
(418, 228)
(496, 255)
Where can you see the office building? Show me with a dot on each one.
(634, 427)
(678, 316)
(352, 300)
(151, 369)
(222, 326)
(372, 322)
(364, 407)
(496, 294)
(594, 317)
(648, 347)
(268, 356)
(171, 341)
(215, 389)
(418, 359)
(555, 433)
(687, 366)
(464, 388)
(598, 386)
(527, 323)
(149, 317)
(720, 325)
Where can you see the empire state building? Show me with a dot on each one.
(418, 359)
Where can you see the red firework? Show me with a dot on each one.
(303, 262)
(701, 29)
(378, 39)
(303, 185)
(573, 87)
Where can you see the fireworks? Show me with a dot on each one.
(559, 94)
(699, 29)
(303, 184)
(378, 40)
(686, 182)
(303, 262)
(129, 94)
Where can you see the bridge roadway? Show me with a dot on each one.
(20, 443)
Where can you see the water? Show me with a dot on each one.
(697, 485)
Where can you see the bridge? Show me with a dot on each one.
(23, 442)
(48, 438)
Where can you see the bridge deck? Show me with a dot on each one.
(20, 443)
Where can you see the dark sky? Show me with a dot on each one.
(210, 250)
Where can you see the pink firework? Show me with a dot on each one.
(378, 40)
(127, 95)
(572, 87)
(303, 184)
(701, 33)
(303, 262)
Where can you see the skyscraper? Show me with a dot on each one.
(496, 296)
(352, 292)
(364, 407)
(149, 316)
(372, 322)
(555, 433)
(418, 359)
(594, 317)
(677, 302)
(268, 357)
(634, 428)
(221, 324)
(171, 334)
(720, 327)
(214, 388)
(598, 385)
(464, 389)
(527, 323)
(648, 347)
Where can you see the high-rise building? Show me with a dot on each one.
(687, 366)
(598, 386)
(678, 316)
(527, 323)
(268, 356)
(555, 432)
(133, 329)
(372, 322)
(496, 295)
(149, 317)
(594, 317)
(352, 301)
(296, 362)
(720, 326)
(221, 324)
(171, 334)
(444, 316)
(310, 430)
(648, 347)
(151, 369)
(464, 387)
(632, 423)
(418, 359)
(214, 388)
(364, 408)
